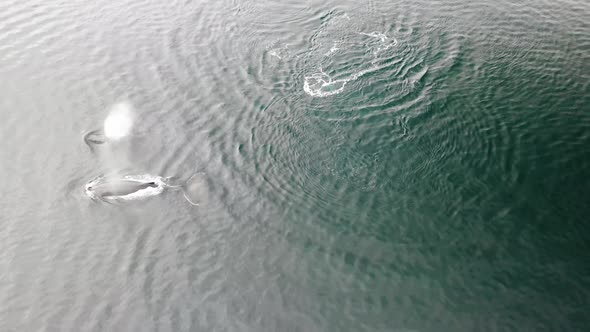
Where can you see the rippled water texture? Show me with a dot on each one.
(361, 165)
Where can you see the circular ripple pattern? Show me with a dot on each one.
(374, 166)
(327, 137)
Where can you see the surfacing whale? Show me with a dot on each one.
(94, 137)
(129, 187)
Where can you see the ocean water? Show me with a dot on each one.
(359, 165)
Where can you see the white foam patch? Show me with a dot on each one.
(278, 52)
(119, 121)
(333, 49)
(385, 41)
(375, 34)
(320, 84)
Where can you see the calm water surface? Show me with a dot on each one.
(363, 165)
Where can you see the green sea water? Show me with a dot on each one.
(361, 166)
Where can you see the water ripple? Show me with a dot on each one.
(362, 166)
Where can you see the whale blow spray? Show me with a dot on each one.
(119, 121)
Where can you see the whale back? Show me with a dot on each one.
(127, 187)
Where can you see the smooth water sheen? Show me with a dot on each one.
(363, 165)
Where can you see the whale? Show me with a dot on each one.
(113, 188)
(94, 137)
(117, 125)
